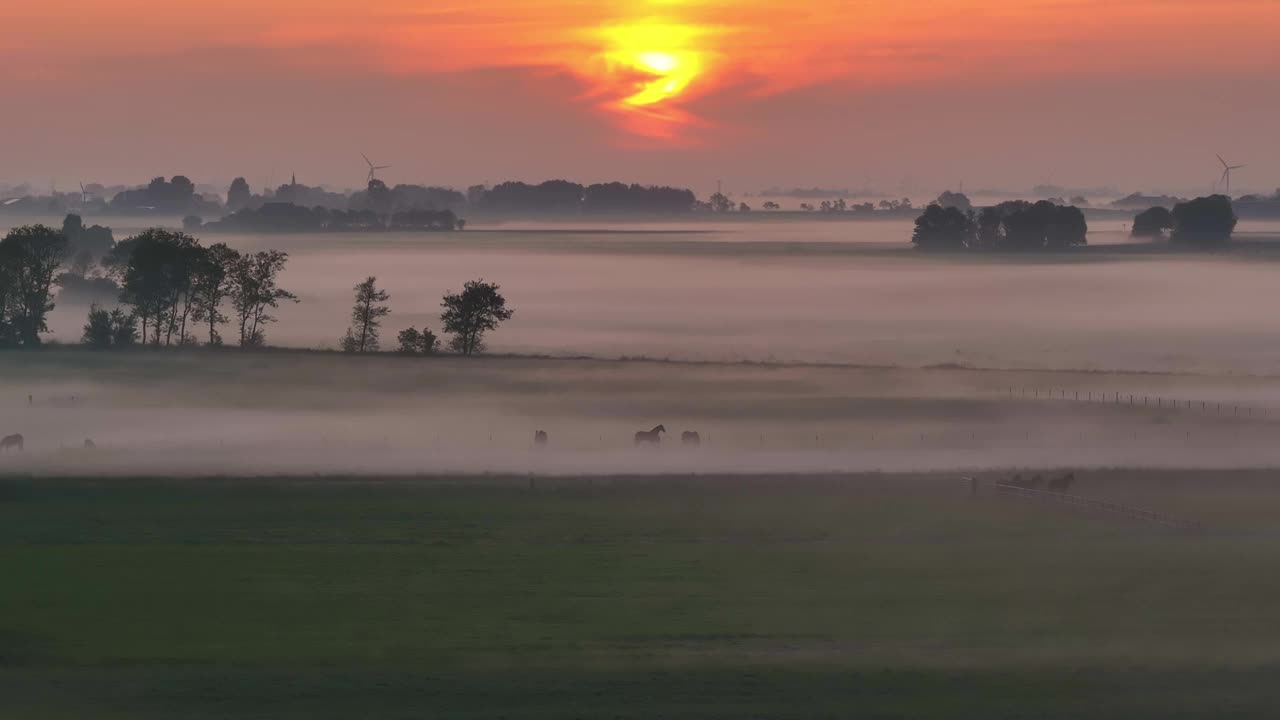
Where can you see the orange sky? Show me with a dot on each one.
(658, 76)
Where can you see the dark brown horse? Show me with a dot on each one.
(651, 438)
(540, 439)
(691, 439)
(12, 442)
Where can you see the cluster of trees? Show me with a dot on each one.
(288, 218)
(176, 288)
(30, 257)
(561, 197)
(1202, 222)
(1016, 225)
(467, 316)
(176, 196)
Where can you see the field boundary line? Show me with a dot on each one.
(1107, 506)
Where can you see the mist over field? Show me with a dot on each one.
(797, 292)
(300, 413)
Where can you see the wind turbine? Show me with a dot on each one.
(1226, 173)
(373, 169)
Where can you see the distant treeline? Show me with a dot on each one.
(278, 217)
(1014, 226)
(951, 224)
(561, 197)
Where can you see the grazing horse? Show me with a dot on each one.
(691, 439)
(90, 445)
(1062, 484)
(650, 437)
(540, 439)
(13, 442)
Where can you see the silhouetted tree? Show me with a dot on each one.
(30, 256)
(1066, 227)
(366, 317)
(157, 281)
(743, 207)
(956, 200)
(109, 329)
(468, 315)
(413, 342)
(771, 205)
(239, 196)
(1204, 222)
(124, 328)
(1152, 223)
(96, 240)
(254, 292)
(721, 203)
(211, 284)
(97, 331)
(943, 228)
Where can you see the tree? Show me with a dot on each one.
(468, 315)
(211, 283)
(1204, 222)
(31, 256)
(254, 292)
(721, 203)
(1066, 227)
(956, 200)
(413, 342)
(944, 228)
(238, 196)
(124, 328)
(95, 240)
(109, 329)
(1152, 223)
(97, 331)
(157, 281)
(366, 317)
(743, 207)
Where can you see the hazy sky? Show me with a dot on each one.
(1137, 93)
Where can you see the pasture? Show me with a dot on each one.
(635, 597)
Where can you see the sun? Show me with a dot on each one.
(651, 65)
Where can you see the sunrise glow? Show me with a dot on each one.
(649, 69)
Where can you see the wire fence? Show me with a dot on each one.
(1129, 511)
(1158, 402)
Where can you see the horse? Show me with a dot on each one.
(540, 439)
(12, 442)
(691, 439)
(1062, 484)
(650, 437)
(90, 444)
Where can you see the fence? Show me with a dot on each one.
(1111, 397)
(1135, 513)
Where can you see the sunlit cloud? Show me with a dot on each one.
(649, 66)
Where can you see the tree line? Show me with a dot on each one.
(176, 291)
(1202, 222)
(1016, 225)
(561, 197)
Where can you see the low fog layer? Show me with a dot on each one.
(297, 413)
(803, 292)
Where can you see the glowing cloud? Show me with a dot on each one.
(648, 70)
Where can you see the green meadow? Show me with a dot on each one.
(711, 597)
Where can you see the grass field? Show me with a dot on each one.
(857, 596)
